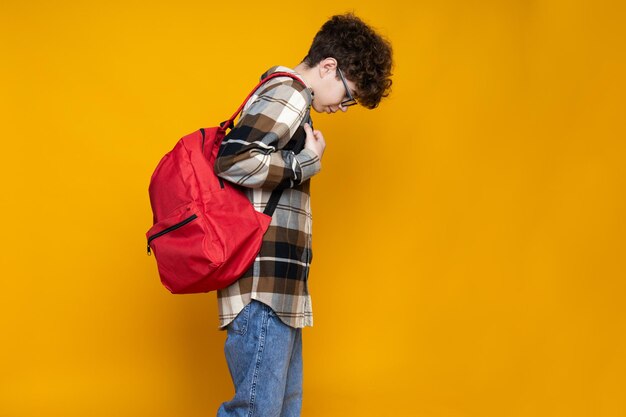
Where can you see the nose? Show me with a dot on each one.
(343, 109)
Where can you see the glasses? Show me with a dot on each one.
(350, 101)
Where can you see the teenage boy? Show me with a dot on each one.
(265, 310)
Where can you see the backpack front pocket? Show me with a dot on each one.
(185, 248)
(170, 229)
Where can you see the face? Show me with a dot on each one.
(331, 91)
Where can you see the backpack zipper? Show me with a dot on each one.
(169, 229)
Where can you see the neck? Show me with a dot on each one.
(306, 73)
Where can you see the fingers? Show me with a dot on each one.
(307, 129)
(315, 133)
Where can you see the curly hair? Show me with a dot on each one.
(363, 55)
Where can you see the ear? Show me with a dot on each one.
(327, 66)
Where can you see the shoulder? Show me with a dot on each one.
(284, 86)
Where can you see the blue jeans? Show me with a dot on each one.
(264, 358)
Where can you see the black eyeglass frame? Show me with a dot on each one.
(350, 101)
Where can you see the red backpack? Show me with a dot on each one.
(205, 231)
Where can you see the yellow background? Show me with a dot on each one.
(468, 234)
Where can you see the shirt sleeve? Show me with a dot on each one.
(251, 155)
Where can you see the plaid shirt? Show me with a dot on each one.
(256, 155)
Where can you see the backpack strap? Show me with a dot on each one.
(272, 202)
(229, 124)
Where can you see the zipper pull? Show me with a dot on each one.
(148, 250)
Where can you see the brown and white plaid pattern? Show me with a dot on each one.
(256, 155)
